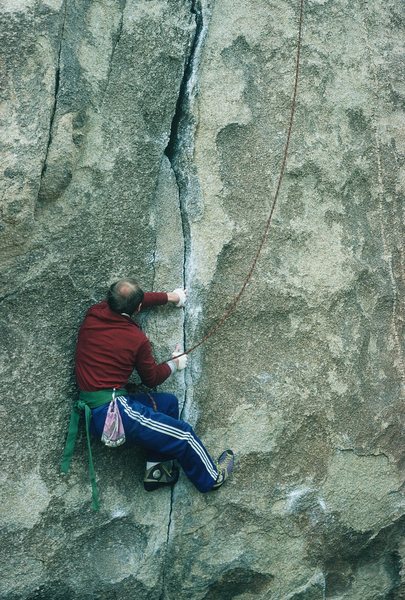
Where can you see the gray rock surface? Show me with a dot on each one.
(146, 138)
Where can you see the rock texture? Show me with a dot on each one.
(146, 138)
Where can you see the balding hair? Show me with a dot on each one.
(125, 296)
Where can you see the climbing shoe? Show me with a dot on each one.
(160, 475)
(224, 467)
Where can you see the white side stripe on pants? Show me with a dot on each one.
(170, 431)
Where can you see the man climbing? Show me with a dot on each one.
(110, 345)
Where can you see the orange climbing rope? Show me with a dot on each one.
(236, 299)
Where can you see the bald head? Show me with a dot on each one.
(125, 296)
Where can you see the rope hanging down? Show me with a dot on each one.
(236, 299)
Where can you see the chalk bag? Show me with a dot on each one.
(113, 433)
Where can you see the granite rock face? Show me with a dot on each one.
(146, 138)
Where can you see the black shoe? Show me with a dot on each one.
(160, 475)
(224, 466)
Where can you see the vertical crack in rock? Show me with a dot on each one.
(180, 148)
(55, 100)
(183, 120)
(169, 525)
(154, 265)
(180, 152)
(116, 41)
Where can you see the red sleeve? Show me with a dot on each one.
(154, 299)
(149, 371)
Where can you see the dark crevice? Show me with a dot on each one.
(183, 101)
(115, 45)
(178, 153)
(180, 139)
(155, 233)
(169, 525)
(9, 295)
(55, 100)
(154, 265)
(185, 225)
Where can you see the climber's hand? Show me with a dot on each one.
(181, 362)
(178, 297)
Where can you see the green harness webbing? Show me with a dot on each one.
(87, 401)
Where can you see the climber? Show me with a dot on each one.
(110, 345)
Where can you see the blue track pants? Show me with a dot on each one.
(162, 434)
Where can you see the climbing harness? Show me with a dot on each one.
(113, 434)
(87, 401)
(236, 299)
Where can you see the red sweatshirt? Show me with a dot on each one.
(110, 346)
